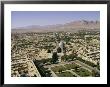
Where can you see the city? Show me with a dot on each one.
(56, 54)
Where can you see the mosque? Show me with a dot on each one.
(59, 49)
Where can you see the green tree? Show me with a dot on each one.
(59, 50)
(64, 58)
(48, 51)
(93, 73)
(76, 68)
(98, 66)
(54, 57)
(60, 70)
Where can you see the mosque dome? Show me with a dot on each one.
(61, 44)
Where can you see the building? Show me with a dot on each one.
(61, 45)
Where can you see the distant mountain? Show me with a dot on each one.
(71, 26)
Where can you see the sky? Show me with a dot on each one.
(42, 18)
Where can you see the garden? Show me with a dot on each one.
(65, 74)
(82, 72)
(71, 66)
(61, 70)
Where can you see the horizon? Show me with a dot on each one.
(45, 18)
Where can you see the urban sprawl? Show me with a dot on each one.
(55, 54)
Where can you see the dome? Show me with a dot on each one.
(61, 44)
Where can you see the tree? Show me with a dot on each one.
(93, 73)
(59, 50)
(98, 66)
(60, 70)
(76, 68)
(71, 56)
(48, 51)
(64, 58)
(54, 57)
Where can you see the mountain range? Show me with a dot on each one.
(70, 26)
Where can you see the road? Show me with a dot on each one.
(85, 65)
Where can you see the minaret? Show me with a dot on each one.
(54, 36)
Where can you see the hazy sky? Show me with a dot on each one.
(27, 18)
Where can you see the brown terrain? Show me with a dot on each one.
(70, 27)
